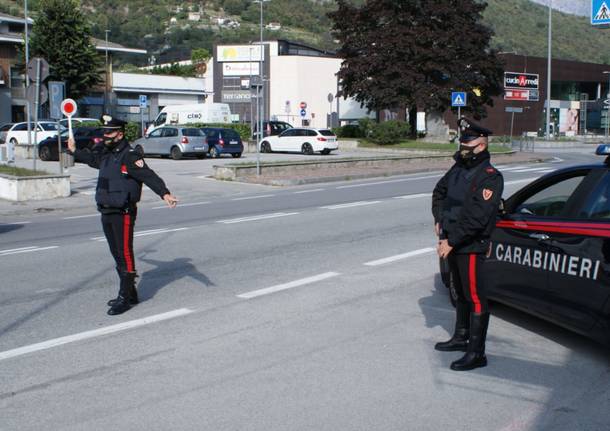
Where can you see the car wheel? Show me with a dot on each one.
(214, 153)
(307, 149)
(140, 150)
(44, 153)
(236, 155)
(14, 142)
(266, 147)
(176, 153)
(325, 152)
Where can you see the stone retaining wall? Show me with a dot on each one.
(34, 188)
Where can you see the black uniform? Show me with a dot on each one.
(122, 171)
(465, 204)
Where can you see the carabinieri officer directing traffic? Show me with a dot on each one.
(465, 204)
(122, 171)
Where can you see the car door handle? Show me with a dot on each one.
(539, 236)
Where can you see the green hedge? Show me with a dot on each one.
(243, 129)
(133, 131)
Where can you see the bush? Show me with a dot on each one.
(366, 126)
(389, 132)
(241, 128)
(133, 131)
(349, 131)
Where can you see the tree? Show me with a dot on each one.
(62, 36)
(413, 53)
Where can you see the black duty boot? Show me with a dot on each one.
(129, 279)
(459, 341)
(475, 356)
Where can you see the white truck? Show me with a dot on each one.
(188, 114)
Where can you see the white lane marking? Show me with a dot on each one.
(540, 168)
(525, 180)
(14, 223)
(93, 333)
(254, 218)
(512, 168)
(190, 204)
(350, 205)
(389, 181)
(546, 171)
(81, 216)
(308, 191)
(17, 249)
(160, 231)
(290, 285)
(252, 197)
(400, 256)
(27, 250)
(415, 196)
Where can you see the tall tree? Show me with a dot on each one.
(413, 53)
(62, 36)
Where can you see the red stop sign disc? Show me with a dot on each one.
(68, 107)
(303, 105)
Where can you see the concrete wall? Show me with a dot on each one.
(34, 188)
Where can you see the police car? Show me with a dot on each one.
(550, 251)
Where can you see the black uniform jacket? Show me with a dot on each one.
(465, 203)
(132, 162)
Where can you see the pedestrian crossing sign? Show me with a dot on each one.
(458, 99)
(600, 12)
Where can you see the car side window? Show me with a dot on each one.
(211, 133)
(161, 119)
(312, 133)
(550, 201)
(156, 133)
(597, 205)
(289, 132)
(20, 127)
(170, 132)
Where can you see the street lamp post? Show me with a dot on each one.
(607, 72)
(27, 80)
(107, 86)
(548, 74)
(261, 101)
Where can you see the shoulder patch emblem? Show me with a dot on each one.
(139, 163)
(487, 194)
(490, 170)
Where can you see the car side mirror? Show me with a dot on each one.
(146, 136)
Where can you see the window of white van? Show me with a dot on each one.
(161, 119)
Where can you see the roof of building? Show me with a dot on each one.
(101, 45)
(16, 19)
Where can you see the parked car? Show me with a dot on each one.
(174, 141)
(18, 133)
(86, 138)
(78, 121)
(549, 255)
(223, 141)
(300, 139)
(3, 132)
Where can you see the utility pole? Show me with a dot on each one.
(548, 73)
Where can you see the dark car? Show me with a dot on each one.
(223, 141)
(85, 137)
(550, 252)
(271, 128)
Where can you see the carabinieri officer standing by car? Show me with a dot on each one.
(465, 204)
(122, 171)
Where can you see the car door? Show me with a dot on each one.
(19, 133)
(152, 145)
(580, 287)
(522, 255)
(283, 141)
(169, 139)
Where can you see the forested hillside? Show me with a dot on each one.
(170, 29)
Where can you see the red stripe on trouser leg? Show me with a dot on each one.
(126, 249)
(472, 277)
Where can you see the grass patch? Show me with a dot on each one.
(20, 172)
(427, 146)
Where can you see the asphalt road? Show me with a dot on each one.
(306, 308)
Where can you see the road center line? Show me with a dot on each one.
(191, 204)
(308, 191)
(400, 256)
(156, 232)
(82, 216)
(350, 205)
(27, 250)
(290, 285)
(389, 181)
(415, 196)
(252, 197)
(94, 333)
(254, 218)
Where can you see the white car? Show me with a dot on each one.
(301, 139)
(77, 121)
(18, 133)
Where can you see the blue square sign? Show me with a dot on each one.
(600, 13)
(458, 99)
(143, 101)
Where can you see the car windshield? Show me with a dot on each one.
(192, 132)
(326, 132)
(230, 134)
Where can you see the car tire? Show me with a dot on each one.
(307, 149)
(44, 153)
(266, 147)
(14, 142)
(236, 155)
(325, 152)
(140, 150)
(176, 153)
(214, 153)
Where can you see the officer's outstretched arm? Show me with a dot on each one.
(88, 157)
(479, 211)
(139, 170)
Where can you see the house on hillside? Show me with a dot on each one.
(273, 26)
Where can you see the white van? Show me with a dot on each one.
(207, 113)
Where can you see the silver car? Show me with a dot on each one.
(174, 141)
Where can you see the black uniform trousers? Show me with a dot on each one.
(118, 228)
(466, 271)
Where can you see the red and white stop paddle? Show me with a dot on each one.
(68, 108)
